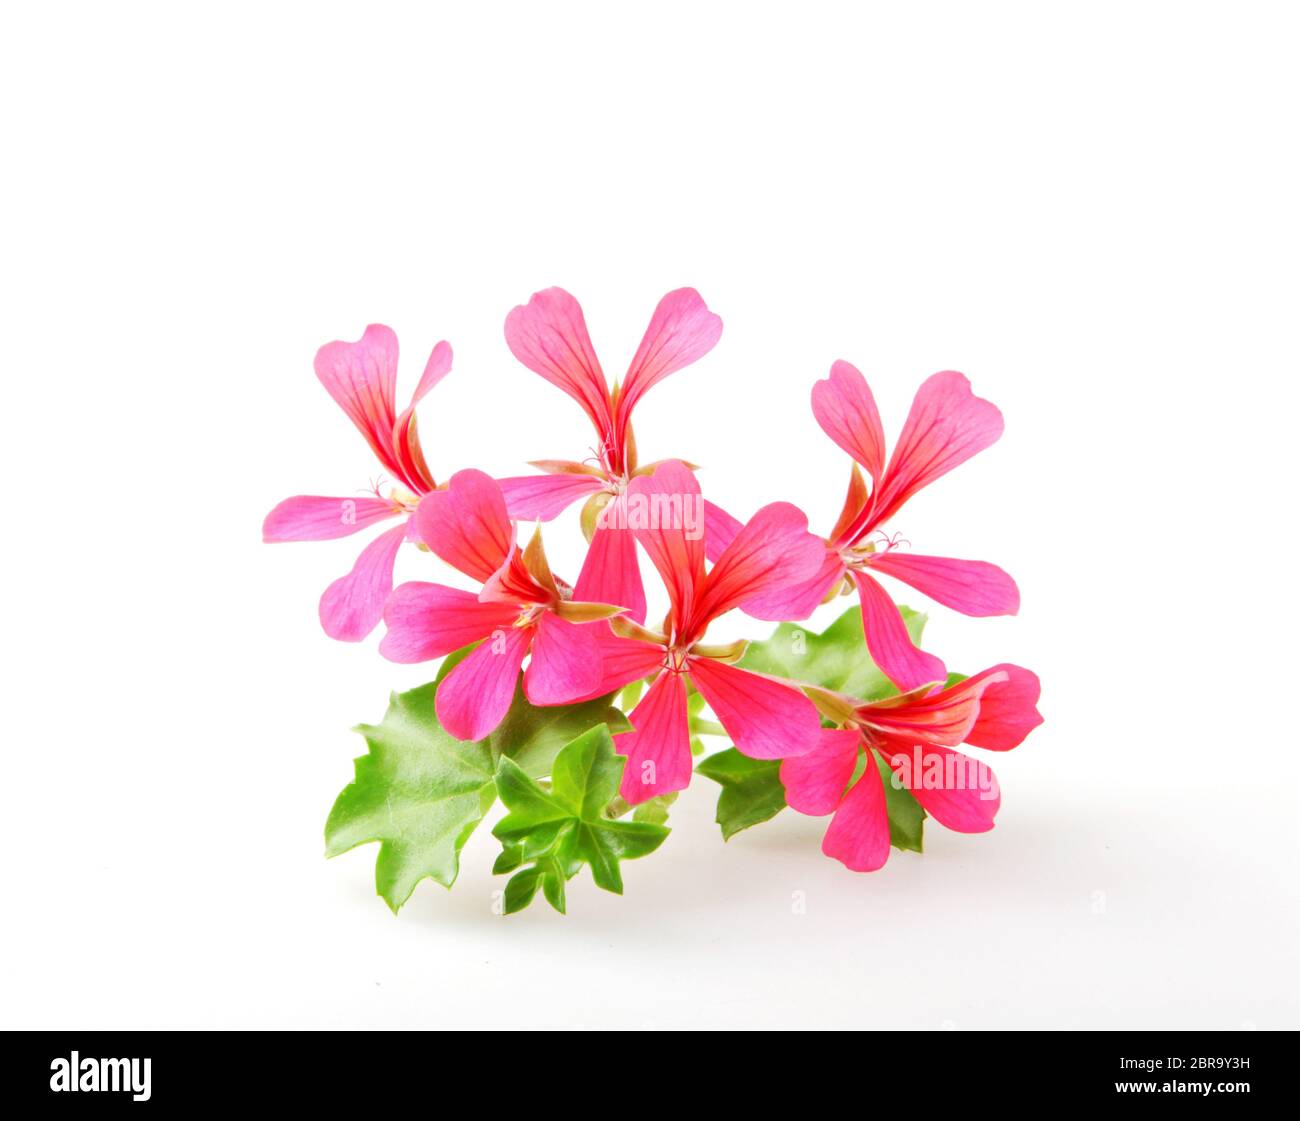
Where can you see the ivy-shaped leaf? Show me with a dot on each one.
(751, 789)
(564, 827)
(420, 792)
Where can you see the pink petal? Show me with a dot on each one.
(947, 425)
(543, 497)
(854, 510)
(764, 718)
(959, 792)
(475, 697)
(797, 601)
(889, 643)
(353, 604)
(362, 379)
(406, 440)
(623, 660)
(794, 601)
(719, 529)
(682, 330)
(658, 750)
(549, 336)
(467, 524)
(847, 412)
(308, 517)
(971, 587)
(815, 783)
(772, 552)
(664, 510)
(437, 368)
(943, 716)
(565, 664)
(426, 621)
(1008, 709)
(858, 836)
(610, 573)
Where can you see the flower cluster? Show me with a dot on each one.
(558, 697)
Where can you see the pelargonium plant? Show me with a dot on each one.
(560, 700)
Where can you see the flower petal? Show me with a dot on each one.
(475, 697)
(543, 497)
(426, 621)
(889, 643)
(797, 601)
(406, 439)
(854, 509)
(719, 530)
(664, 510)
(681, 331)
(467, 524)
(772, 552)
(610, 573)
(1008, 708)
(362, 379)
(565, 664)
(946, 426)
(658, 749)
(765, 718)
(847, 412)
(971, 587)
(814, 783)
(943, 716)
(959, 792)
(858, 836)
(623, 660)
(549, 336)
(353, 604)
(309, 517)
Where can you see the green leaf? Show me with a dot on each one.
(420, 792)
(565, 827)
(906, 817)
(835, 659)
(751, 789)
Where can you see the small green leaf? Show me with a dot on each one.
(835, 659)
(521, 889)
(565, 827)
(751, 789)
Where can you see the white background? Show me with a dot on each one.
(1089, 209)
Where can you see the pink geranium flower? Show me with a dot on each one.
(945, 427)
(362, 378)
(523, 608)
(549, 336)
(766, 718)
(914, 734)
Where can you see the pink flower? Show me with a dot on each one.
(946, 426)
(362, 378)
(549, 336)
(766, 718)
(522, 609)
(914, 734)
